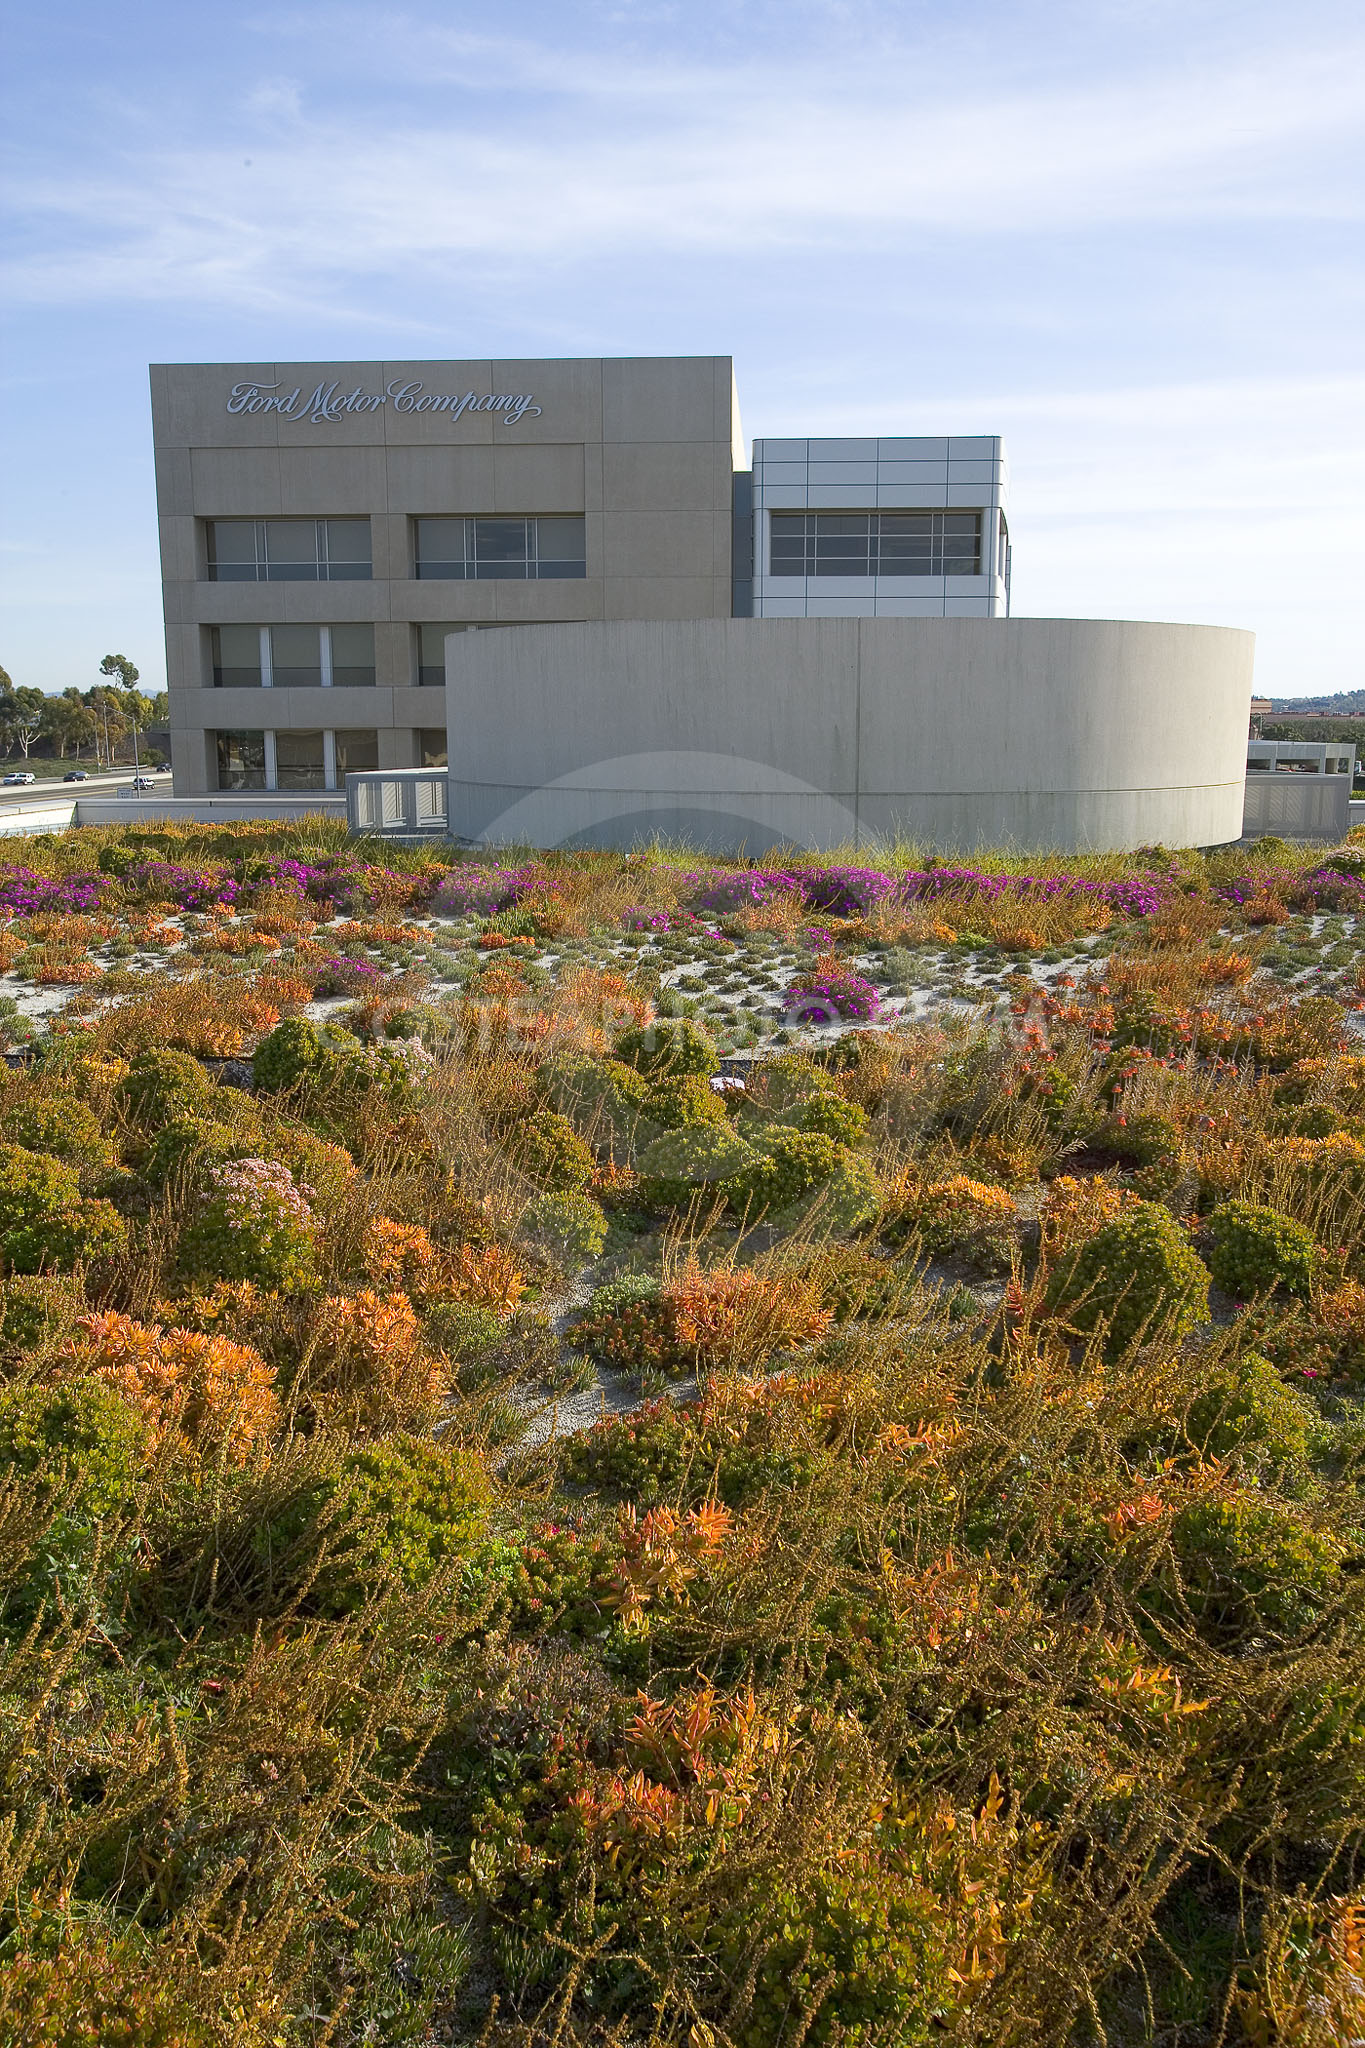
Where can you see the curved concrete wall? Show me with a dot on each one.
(1066, 733)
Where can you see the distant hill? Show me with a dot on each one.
(1340, 704)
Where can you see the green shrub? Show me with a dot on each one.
(1145, 1139)
(37, 1310)
(832, 1116)
(603, 1097)
(191, 1145)
(299, 1051)
(682, 1099)
(847, 1200)
(33, 1187)
(1136, 1273)
(80, 1440)
(789, 1166)
(668, 1450)
(403, 1509)
(547, 1147)
(325, 1168)
(43, 1220)
(162, 1083)
(787, 1081)
(670, 1045)
(1247, 1412)
(622, 1292)
(464, 1330)
(701, 1160)
(1249, 1566)
(61, 1125)
(571, 1226)
(421, 1020)
(58, 1244)
(1320, 1120)
(1256, 1250)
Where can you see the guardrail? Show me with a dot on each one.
(409, 803)
(1297, 806)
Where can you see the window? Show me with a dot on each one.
(432, 745)
(289, 550)
(300, 761)
(355, 753)
(352, 651)
(431, 654)
(296, 657)
(241, 760)
(876, 544)
(292, 657)
(515, 550)
(236, 657)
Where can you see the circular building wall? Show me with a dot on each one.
(750, 733)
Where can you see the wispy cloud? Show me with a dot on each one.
(584, 159)
(274, 98)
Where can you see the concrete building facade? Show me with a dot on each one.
(324, 526)
(814, 649)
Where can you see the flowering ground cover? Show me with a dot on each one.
(610, 1451)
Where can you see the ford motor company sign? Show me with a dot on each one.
(330, 403)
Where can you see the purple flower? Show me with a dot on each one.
(481, 892)
(26, 894)
(839, 996)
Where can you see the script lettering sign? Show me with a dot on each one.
(330, 402)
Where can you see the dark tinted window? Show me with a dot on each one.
(876, 544)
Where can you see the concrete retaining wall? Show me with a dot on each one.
(1065, 733)
(208, 810)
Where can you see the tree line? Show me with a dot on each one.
(102, 721)
(1314, 729)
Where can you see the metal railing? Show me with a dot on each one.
(406, 802)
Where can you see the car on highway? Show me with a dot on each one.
(20, 776)
(75, 775)
(143, 782)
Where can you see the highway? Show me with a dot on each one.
(52, 790)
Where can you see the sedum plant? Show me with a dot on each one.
(701, 1161)
(572, 1227)
(1135, 1275)
(550, 1150)
(678, 1100)
(1256, 1250)
(670, 1045)
(45, 1224)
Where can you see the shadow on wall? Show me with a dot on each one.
(721, 803)
(718, 832)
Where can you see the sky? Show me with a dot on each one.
(1125, 234)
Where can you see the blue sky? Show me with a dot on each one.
(1126, 236)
